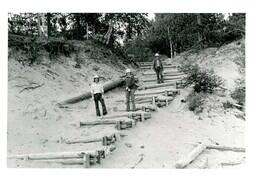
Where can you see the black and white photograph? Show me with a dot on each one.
(126, 90)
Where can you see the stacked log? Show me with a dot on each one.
(157, 100)
(85, 158)
(104, 121)
(137, 115)
(105, 140)
(148, 108)
(170, 92)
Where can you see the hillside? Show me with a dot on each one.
(36, 124)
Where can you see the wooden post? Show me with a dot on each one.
(86, 159)
(142, 117)
(105, 141)
(166, 95)
(154, 101)
(87, 36)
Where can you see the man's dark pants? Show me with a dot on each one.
(98, 98)
(159, 74)
(130, 98)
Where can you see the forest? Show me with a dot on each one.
(131, 35)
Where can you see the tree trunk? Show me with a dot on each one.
(170, 44)
(87, 36)
(48, 24)
(199, 33)
(39, 25)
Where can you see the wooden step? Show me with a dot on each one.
(136, 115)
(164, 67)
(166, 76)
(123, 120)
(169, 92)
(152, 86)
(167, 72)
(165, 79)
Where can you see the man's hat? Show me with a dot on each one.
(156, 54)
(128, 71)
(96, 77)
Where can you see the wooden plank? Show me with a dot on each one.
(226, 148)
(182, 163)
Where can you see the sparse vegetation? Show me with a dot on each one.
(239, 93)
(196, 102)
(202, 80)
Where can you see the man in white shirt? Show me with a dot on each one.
(97, 91)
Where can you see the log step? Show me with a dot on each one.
(137, 115)
(165, 67)
(105, 140)
(169, 75)
(169, 92)
(165, 78)
(172, 83)
(104, 121)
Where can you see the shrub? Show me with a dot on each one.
(239, 92)
(196, 102)
(202, 80)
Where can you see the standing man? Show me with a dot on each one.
(158, 68)
(130, 86)
(97, 91)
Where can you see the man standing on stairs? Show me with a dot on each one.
(130, 87)
(158, 68)
(97, 91)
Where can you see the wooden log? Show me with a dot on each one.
(107, 86)
(170, 91)
(92, 140)
(190, 157)
(226, 148)
(78, 161)
(230, 163)
(165, 78)
(151, 67)
(97, 122)
(144, 101)
(151, 107)
(53, 155)
(164, 73)
(127, 114)
(167, 85)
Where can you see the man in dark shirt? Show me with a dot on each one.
(130, 87)
(158, 68)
